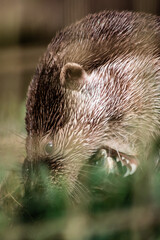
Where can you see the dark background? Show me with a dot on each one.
(25, 22)
(26, 28)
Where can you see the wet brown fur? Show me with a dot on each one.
(97, 39)
(128, 45)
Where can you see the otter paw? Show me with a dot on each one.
(115, 162)
(101, 158)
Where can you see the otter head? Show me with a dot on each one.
(57, 122)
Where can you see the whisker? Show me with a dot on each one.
(18, 135)
(9, 194)
(81, 185)
(15, 200)
(80, 190)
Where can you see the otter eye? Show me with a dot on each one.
(49, 148)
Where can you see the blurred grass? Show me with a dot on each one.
(117, 207)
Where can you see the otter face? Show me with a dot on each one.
(54, 137)
(63, 154)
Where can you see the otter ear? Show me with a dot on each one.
(73, 76)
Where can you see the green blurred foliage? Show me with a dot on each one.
(114, 208)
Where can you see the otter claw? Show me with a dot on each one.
(111, 166)
(103, 153)
(115, 163)
(133, 168)
(117, 159)
(127, 172)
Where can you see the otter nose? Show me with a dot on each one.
(33, 171)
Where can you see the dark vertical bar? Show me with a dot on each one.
(74, 10)
(146, 6)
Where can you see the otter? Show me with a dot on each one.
(96, 87)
